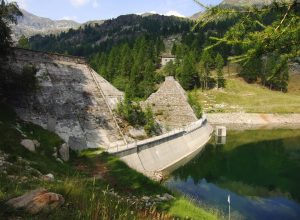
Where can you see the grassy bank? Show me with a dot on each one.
(95, 185)
(252, 98)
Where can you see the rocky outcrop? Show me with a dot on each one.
(170, 105)
(37, 201)
(72, 100)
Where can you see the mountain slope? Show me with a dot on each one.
(100, 37)
(30, 25)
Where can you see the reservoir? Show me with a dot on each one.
(259, 169)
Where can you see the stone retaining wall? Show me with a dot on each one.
(170, 105)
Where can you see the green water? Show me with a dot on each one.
(260, 169)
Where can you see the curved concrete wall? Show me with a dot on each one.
(164, 152)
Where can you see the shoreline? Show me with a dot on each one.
(242, 121)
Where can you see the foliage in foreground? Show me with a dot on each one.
(260, 36)
(9, 12)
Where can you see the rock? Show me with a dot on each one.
(28, 144)
(54, 154)
(49, 177)
(77, 143)
(145, 198)
(59, 160)
(51, 124)
(64, 152)
(36, 143)
(137, 133)
(168, 196)
(36, 201)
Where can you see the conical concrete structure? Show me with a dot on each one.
(170, 105)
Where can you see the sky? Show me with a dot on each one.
(86, 10)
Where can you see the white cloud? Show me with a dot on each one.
(78, 3)
(69, 18)
(22, 3)
(174, 13)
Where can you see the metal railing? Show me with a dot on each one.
(186, 130)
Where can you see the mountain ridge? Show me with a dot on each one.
(30, 25)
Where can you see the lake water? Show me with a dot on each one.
(259, 169)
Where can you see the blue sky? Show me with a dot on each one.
(85, 10)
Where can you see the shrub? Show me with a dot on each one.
(152, 128)
(195, 105)
(132, 112)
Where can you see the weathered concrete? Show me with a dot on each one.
(162, 152)
(170, 105)
(72, 100)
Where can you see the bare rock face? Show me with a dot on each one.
(64, 152)
(28, 144)
(36, 201)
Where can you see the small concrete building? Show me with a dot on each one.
(166, 59)
(221, 131)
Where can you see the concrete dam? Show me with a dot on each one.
(75, 102)
(163, 153)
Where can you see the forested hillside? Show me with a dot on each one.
(102, 37)
(262, 39)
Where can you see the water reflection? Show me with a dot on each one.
(241, 207)
(261, 174)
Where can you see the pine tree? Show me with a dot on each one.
(23, 42)
(9, 12)
(207, 61)
(219, 66)
(188, 72)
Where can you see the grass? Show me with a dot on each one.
(294, 84)
(184, 208)
(239, 96)
(85, 182)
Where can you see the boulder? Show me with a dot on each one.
(28, 144)
(37, 201)
(36, 143)
(137, 133)
(64, 152)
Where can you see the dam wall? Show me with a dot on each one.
(160, 153)
(72, 100)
